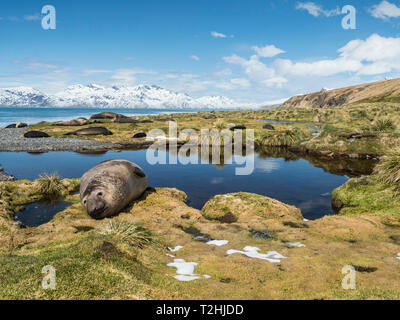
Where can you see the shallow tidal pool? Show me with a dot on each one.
(304, 183)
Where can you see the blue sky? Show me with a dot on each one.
(250, 51)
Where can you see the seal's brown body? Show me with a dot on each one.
(110, 186)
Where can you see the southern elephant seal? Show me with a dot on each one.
(17, 125)
(36, 134)
(75, 122)
(124, 120)
(107, 115)
(92, 131)
(110, 186)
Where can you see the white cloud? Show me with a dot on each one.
(256, 70)
(385, 10)
(36, 64)
(373, 56)
(223, 73)
(89, 72)
(218, 35)
(268, 51)
(194, 57)
(34, 17)
(127, 76)
(317, 10)
(241, 82)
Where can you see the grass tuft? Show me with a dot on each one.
(388, 169)
(283, 139)
(128, 232)
(384, 125)
(50, 186)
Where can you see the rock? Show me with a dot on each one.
(210, 116)
(19, 224)
(146, 121)
(354, 135)
(237, 128)
(36, 134)
(245, 207)
(139, 135)
(6, 177)
(269, 127)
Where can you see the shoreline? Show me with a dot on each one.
(12, 140)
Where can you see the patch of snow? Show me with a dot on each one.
(185, 270)
(177, 248)
(398, 256)
(182, 277)
(252, 252)
(296, 244)
(305, 220)
(170, 255)
(183, 267)
(218, 243)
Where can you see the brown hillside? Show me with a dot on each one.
(387, 90)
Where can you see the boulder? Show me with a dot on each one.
(210, 116)
(139, 135)
(269, 127)
(237, 128)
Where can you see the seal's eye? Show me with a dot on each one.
(100, 194)
(84, 201)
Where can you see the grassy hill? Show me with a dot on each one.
(381, 91)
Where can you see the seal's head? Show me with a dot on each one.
(97, 201)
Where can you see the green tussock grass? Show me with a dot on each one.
(384, 125)
(368, 195)
(133, 234)
(388, 169)
(283, 138)
(50, 186)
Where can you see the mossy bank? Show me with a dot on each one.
(126, 257)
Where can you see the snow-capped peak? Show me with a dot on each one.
(94, 95)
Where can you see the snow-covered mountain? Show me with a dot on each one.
(93, 95)
(22, 97)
